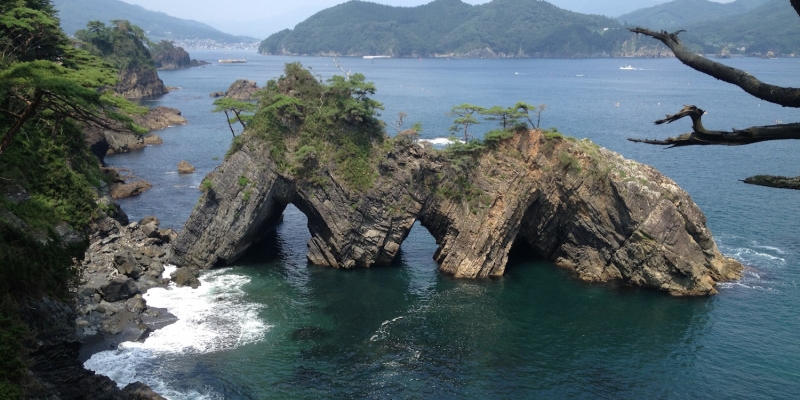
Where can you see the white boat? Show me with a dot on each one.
(373, 57)
(233, 61)
(626, 67)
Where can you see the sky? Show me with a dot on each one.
(260, 18)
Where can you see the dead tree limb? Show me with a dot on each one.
(228, 118)
(787, 97)
(702, 136)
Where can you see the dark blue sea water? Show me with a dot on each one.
(276, 327)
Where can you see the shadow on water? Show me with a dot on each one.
(406, 328)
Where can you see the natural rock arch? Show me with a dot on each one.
(580, 206)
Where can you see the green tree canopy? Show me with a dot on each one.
(465, 116)
(122, 44)
(45, 79)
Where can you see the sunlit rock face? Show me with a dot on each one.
(583, 207)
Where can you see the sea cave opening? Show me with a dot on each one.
(417, 250)
(284, 241)
(523, 254)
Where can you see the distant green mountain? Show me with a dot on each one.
(680, 14)
(74, 14)
(774, 26)
(505, 28)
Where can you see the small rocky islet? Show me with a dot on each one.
(580, 206)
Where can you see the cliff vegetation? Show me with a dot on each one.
(49, 180)
(126, 47)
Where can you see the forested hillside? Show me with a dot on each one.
(772, 27)
(75, 14)
(679, 14)
(504, 28)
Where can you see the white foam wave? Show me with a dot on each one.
(381, 333)
(211, 318)
(440, 141)
(751, 256)
(770, 248)
(759, 260)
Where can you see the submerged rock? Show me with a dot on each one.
(583, 207)
(309, 333)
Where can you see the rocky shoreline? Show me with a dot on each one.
(122, 262)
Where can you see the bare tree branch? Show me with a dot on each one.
(702, 136)
(787, 97)
(796, 6)
(228, 118)
(346, 73)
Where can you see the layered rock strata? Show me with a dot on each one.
(584, 208)
(137, 83)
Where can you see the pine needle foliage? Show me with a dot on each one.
(312, 125)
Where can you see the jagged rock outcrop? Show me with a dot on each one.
(175, 58)
(137, 83)
(121, 262)
(122, 183)
(54, 364)
(104, 141)
(241, 89)
(160, 117)
(130, 189)
(107, 303)
(585, 208)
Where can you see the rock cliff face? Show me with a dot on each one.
(241, 89)
(140, 82)
(171, 57)
(582, 207)
(54, 364)
(103, 141)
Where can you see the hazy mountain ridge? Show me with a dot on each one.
(74, 14)
(505, 28)
(679, 14)
(772, 27)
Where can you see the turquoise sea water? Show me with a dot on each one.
(275, 327)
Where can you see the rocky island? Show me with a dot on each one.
(168, 56)
(571, 202)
